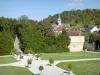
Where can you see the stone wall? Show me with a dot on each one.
(77, 43)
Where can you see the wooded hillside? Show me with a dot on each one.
(38, 36)
(78, 18)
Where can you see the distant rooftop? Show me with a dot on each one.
(61, 27)
(91, 27)
(75, 32)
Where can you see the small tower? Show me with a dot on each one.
(59, 20)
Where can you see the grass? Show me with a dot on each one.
(82, 67)
(6, 59)
(11, 70)
(69, 55)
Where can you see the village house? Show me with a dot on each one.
(76, 36)
(77, 40)
(90, 46)
(94, 28)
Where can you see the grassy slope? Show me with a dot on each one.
(83, 67)
(6, 59)
(69, 55)
(10, 70)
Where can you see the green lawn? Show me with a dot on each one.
(83, 67)
(69, 55)
(11, 70)
(6, 59)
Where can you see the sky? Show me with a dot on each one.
(40, 9)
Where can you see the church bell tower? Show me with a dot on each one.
(59, 20)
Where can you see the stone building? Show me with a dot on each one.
(77, 40)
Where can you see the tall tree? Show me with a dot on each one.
(63, 40)
(6, 43)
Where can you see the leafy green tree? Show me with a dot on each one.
(41, 68)
(23, 18)
(29, 62)
(29, 50)
(69, 66)
(95, 39)
(87, 37)
(63, 41)
(51, 61)
(6, 43)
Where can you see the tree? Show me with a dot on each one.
(87, 36)
(29, 50)
(95, 40)
(51, 61)
(69, 67)
(65, 37)
(63, 41)
(6, 43)
(29, 61)
(41, 68)
(23, 18)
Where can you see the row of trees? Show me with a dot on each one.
(34, 36)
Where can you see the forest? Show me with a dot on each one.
(78, 18)
(34, 36)
(38, 36)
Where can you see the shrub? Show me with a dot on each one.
(41, 68)
(51, 61)
(29, 61)
(69, 66)
(67, 49)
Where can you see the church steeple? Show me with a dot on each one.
(59, 20)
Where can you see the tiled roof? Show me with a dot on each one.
(74, 32)
(60, 28)
(89, 29)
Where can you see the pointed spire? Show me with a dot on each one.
(59, 20)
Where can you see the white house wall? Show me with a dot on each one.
(77, 43)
